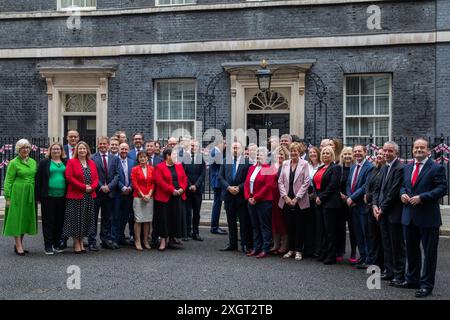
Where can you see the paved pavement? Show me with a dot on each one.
(197, 271)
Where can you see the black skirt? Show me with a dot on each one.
(167, 218)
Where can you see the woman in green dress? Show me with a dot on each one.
(20, 213)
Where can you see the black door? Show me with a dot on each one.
(269, 121)
(85, 125)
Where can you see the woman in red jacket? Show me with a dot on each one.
(258, 192)
(170, 186)
(142, 179)
(82, 180)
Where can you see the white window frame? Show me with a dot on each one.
(75, 8)
(359, 116)
(155, 122)
(174, 4)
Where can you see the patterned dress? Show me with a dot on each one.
(79, 220)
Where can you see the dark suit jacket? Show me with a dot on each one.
(226, 179)
(196, 171)
(121, 182)
(156, 160)
(372, 183)
(387, 195)
(329, 193)
(216, 160)
(132, 154)
(113, 173)
(358, 195)
(431, 185)
(42, 177)
(66, 150)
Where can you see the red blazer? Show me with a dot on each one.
(140, 183)
(163, 181)
(76, 188)
(262, 187)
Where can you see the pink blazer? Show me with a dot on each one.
(301, 183)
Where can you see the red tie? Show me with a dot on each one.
(415, 173)
(73, 152)
(105, 166)
(355, 178)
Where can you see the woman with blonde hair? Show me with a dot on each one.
(51, 193)
(82, 181)
(326, 184)
(20, 213)
(345, 216)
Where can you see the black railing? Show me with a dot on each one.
(439, 153)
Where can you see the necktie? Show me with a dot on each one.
(105, 166)
(415, 173)
(125, 171)
(73, 151)
(151, 161)
(355, 177)
(233, 168)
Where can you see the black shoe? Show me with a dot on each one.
(176, 241)
(362, 266)
(329, 261)
(185, 239)
(229, 248)
(93, 247)
(59, 249)
(406, 285)
(422, 293)
(62, 244)
(219, 231)
(321, 258)
(396, 283)
(49, 251)
(197, 237)
(386, 277)
(19, 253)
(105, 246)
(115, 246)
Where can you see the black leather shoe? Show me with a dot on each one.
(197, 237)
(362, 266)
(115, 246)
(229, 248)
(321, 258)
(386, 277)
(18, 253)
(406, 285)
(396, 283)
(422, 293)
(106, 246)
(185, 239)
(93, 247)
(329, 261)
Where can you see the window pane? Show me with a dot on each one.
(352, 127)
(80, 103)
(367, 106)
(382, 106)
(176, 91)
(66, 3)
(379, 141)
(189, 110)
(382, 85)
(176, 110)
(382, 127)
(367, 85)
(352, 106)
(162, 91)
(366, 126)
(352, 86)
(163, 110)
(77, 3)
(164, 1)
(174, 129)
(189, 92)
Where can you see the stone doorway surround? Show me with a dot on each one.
(76, 79)
(286, 75)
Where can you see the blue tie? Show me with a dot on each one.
(233, 169)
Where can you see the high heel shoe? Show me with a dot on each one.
(18, 253)
(161, 249)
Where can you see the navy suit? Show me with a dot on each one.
(66, 150)
(123, 212)
(360, 212)
(421, 222)
(195, 172)
(216, 160)
(156, 160)
(236, 205)
(387, 198)
(104, 201)
(132, 154)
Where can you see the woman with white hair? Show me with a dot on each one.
(20, 214)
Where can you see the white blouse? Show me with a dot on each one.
(253, 177)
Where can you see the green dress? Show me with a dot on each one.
(20, 217)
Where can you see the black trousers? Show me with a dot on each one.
(318, 229)
(429, 237)
(193, 207)
(328, 219)
(345, 219)
(375, 254)
(394, 248)
(300, 229)
(238, 210)
(53, 210)
(106, 205)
